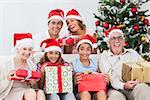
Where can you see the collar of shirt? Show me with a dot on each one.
(124, 52)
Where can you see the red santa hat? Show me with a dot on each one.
(115, 31)
(23, 40)
(73, 14)
(51, 45)
(56, 14)
(87, 39)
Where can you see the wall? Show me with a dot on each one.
(31, 16)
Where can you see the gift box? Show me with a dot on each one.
(66, 41)
(58, 79)
(136, 71)
(92, 82)
(22, 74)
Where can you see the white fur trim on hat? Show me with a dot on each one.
(27, 42)
(75, 17)
(115, 31)
(52, 48)
(84, 41)
(55, 17)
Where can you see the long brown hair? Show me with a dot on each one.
(81, 25)
(45, 59)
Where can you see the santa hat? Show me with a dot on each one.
(73, 14)
(23, 40)
(50, 45)
(108, 33)
(87, 39)
(56, 14)
(115, 31)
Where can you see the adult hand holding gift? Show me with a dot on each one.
(26, 75)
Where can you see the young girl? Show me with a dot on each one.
(53, 55)
(19, 90)
(86, 64)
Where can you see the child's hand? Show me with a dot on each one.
(78, 78)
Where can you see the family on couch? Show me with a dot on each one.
(103, 75)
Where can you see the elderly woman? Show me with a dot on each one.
(19, 90)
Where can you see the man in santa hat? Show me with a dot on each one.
(111, 63)
(55, 24)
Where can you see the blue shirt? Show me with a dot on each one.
(78, 67)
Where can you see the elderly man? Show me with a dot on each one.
(111, 64)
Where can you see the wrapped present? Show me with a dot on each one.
(92, 82)
(58, 79)
(22, 74)
(66, 41)
(136, 71)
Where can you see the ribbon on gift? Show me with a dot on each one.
(68, 40)
(29, 73)
(59, 79)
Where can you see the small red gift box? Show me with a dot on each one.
(66, 41)
(92, 82)
(22, 74)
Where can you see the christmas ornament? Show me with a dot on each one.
(120, 26)
(136, 27)
(126, 44)
(134, 10)
(97, 23)
(146, 21)
(144, 39)
(122, 1)
(142, 18)
(106, 25)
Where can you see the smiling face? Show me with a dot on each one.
(73, 25)
(24, 52)
(116, 43)
(55, 26)
(53, 56)
(84, 51)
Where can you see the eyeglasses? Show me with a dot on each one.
(116, 38)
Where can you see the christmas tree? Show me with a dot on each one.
(127, 16)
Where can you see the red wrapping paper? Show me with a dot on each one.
(65, 41)
(22, 74)
(92, 82)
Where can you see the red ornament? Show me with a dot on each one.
(136, 27)
(134, 10)
(106, 25)
(146, 21)
(97, 23)
(126, 44)
(122, 1)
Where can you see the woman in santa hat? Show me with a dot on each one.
(85, 64)
(53, 57)
(76, 27)
(19, 90)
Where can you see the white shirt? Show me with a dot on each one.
(112, 65)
